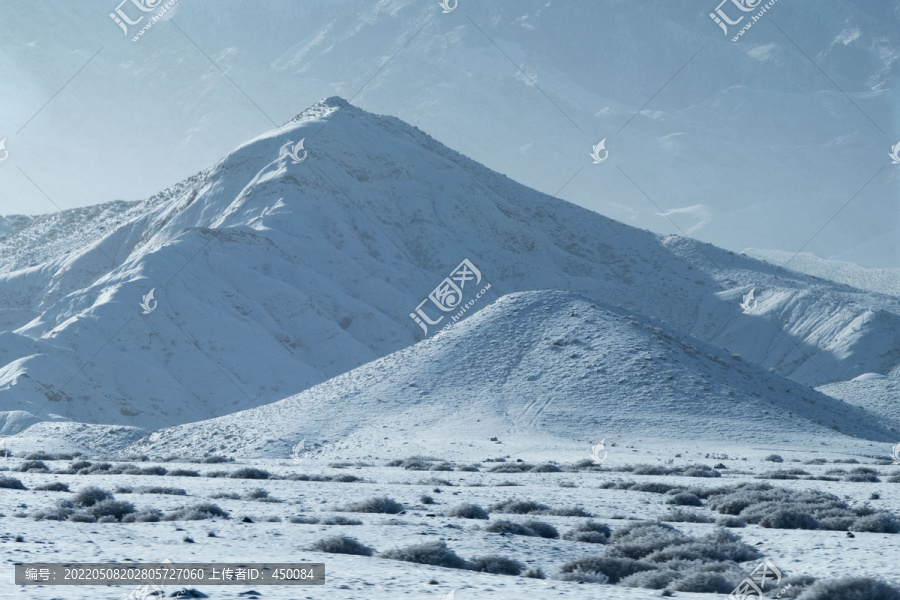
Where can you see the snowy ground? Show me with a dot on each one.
(822, 554)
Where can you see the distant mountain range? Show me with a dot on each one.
(882, 281)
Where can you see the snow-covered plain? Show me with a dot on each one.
(820, 554)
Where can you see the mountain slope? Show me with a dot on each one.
(871, 391)
(882, 281)
(547, 363)
(273, 275)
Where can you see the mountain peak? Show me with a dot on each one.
(335, 101)
(322, 108)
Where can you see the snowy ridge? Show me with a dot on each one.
(882, 281)
(272, 276)
(28, 241)
(874, 392)
(546, 364)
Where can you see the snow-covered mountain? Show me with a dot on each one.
(282, 266)
(754, 143)
(535, 364)
(882, 281)
(872, 391)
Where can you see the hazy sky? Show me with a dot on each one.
(779, 140)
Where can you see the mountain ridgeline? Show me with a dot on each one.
(272, 274)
